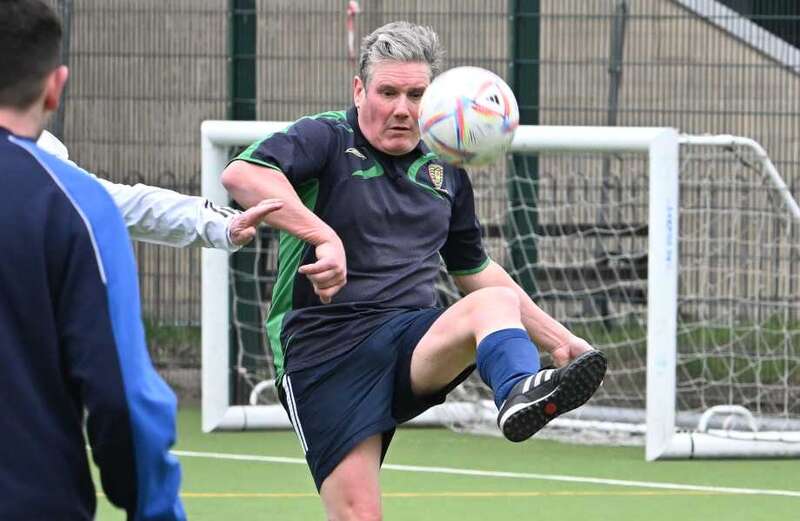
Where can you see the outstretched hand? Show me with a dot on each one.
(569, 350)
(329, 274)
(242, 228)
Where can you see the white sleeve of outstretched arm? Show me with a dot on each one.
(162, 216)
(158, 215)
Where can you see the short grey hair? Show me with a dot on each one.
(402, 42)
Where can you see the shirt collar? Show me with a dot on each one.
(9, 132)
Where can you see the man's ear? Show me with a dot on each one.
(359, 91)
(54, 86)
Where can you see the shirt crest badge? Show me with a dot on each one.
(436, 173)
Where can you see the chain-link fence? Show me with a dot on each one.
(145, 74)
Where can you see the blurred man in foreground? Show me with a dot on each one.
(73, 349)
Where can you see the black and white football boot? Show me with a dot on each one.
(539, 398)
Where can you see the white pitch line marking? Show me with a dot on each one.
(512, 475)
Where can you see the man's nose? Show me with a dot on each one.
(402, 108)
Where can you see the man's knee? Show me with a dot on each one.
(359, 512)
(495, 298)
(493, 308)
(355, 507)
(352, 491)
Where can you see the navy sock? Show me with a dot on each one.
(504, 358)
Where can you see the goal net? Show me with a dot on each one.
(678, 256)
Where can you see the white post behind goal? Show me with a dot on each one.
(660, 149)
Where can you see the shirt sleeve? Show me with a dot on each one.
(463, 251)
(162, 216)
(131, 412)
(300, 152)
(158, 215)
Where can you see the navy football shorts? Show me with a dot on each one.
(338, 404)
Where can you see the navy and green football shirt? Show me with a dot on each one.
(397, 216)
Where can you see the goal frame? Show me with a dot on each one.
(662, 146)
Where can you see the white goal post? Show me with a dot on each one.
(661, 148)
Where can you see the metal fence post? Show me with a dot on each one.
(65, 11)
(524, 17)
(243, 103)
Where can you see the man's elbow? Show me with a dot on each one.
(231, 178)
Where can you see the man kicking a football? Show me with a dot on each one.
(360, 345)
